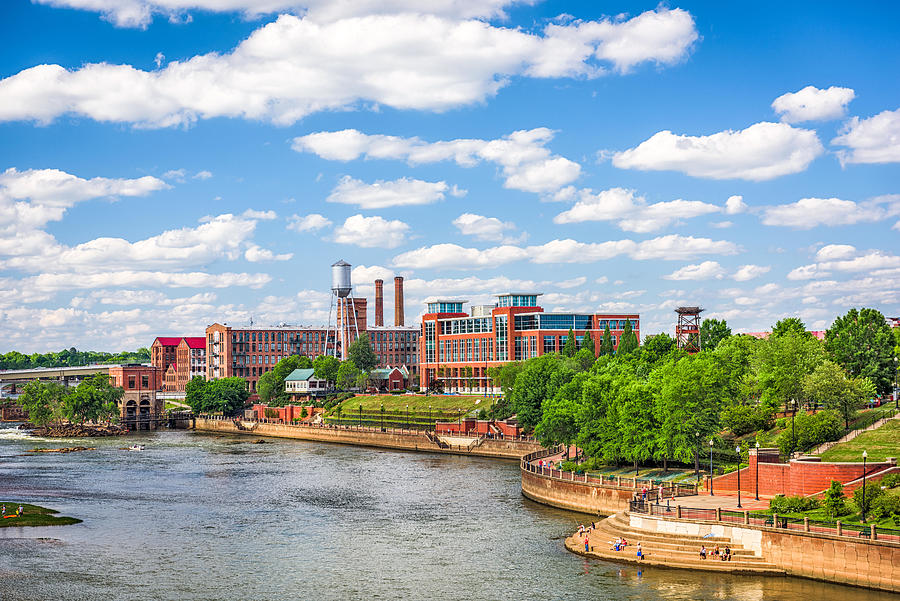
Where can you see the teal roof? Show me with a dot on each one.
(299, 375)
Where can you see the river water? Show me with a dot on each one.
(200, 516)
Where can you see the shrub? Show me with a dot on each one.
(742, 419)
(885, 506)
(304, 413)
(834, 500)
(872, 494)
(482, 414)
(797, 504)
(891, 481)
(810, 431)
(272, 413)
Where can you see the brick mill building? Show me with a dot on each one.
(250, 351)
(177, 359)
(457, 348)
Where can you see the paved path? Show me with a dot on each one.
(705, 501)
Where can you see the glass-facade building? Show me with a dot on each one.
(457, 348)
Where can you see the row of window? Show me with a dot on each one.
(478, 349)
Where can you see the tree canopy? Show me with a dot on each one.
(789, 324)
(570, 347)
(862, 343)
(70, 357)
(361, 354)
(325, 367)
(270, 386)
(226, 395)
(94, 399)
(712, 332)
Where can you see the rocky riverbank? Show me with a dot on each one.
(78, 431)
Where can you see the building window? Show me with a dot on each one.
(549, 344)
(130, 381)
(145, 381)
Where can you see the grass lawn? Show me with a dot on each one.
(880, 443)
(852, 518)
(33, 515)
(418, 403)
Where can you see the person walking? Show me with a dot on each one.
(640, 552)
(19, 511)
(3, 510)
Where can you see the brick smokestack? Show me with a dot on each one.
(379, 302)
(398, 301)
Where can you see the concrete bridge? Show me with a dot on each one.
(13, 380)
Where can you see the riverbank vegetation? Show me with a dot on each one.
(33, 515)
(225, 395)
(881, 501)
(52, 404)
(655, 403)
(70, 358)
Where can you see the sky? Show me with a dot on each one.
(168, 164)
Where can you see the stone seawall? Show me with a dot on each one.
(858, 562)
(575, 496)
(392, 439)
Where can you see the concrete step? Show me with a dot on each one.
(628, 532)
(606, 534)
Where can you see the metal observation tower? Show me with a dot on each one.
(344, 309)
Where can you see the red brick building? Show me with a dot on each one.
(139, 400)
(249, 352)
(177, 359)
(457, 348)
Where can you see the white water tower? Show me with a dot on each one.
(345, 324)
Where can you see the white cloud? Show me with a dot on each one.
(296, 66)
(671, 247)
(175, 175)
(808, 213)
(203, 174)
(847, 259)
(703, 271)
(253, 214)
(721, 224)
(526, 162)
(735, 205)
(140, 13)
(256, 254)
(750, 272)
(383, 194)
(631, 212)
(485, 228)
(362, 273)
(34, 197)
(308, 223)
(761, 152)
(872, 140)
(371, 232)
(813, 104)
(573, 283)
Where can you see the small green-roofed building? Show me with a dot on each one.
(304, 382)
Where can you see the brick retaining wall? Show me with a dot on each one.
(392, 439)
(575, 496)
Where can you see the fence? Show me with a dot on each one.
(767, 520)
(654, 488)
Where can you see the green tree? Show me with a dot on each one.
(828, 386)
(606, 345)
(559, 414)
(42, 401)
(790, 325)
(93, 399)
(862, 343)
(779, 364)
(325, 367)
(349, 375)
(227, 395)
(835, 503)
(361, 353)
(637, 425)
(539, 379)
(628, 343)
(584, 359)
(588, 343)
(809, 430)
(570, 348)
(505, 375)
(195, 393)
(712, 332)
(270, 386)
(656, 347)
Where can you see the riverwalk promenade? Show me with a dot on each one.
(386, 438)
(672, 523)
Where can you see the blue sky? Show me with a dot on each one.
(171, 163)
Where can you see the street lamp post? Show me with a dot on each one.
(793, 432)
(697, 457)
(407, 416)
(896, 385)
(757, 470)
(738, 449)
(429, 415)
(382, 417)
(710, 468)
(360, 417)
(864, 488)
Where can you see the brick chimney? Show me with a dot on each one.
(379, 302)
(398, 301)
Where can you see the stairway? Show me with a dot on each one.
(670, 550)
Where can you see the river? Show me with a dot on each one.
(215, 517)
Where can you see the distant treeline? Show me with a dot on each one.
(70, 358)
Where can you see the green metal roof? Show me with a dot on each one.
(299, 375)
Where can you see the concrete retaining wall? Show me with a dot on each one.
(406, 441)
(575, 496)
(871, 564)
